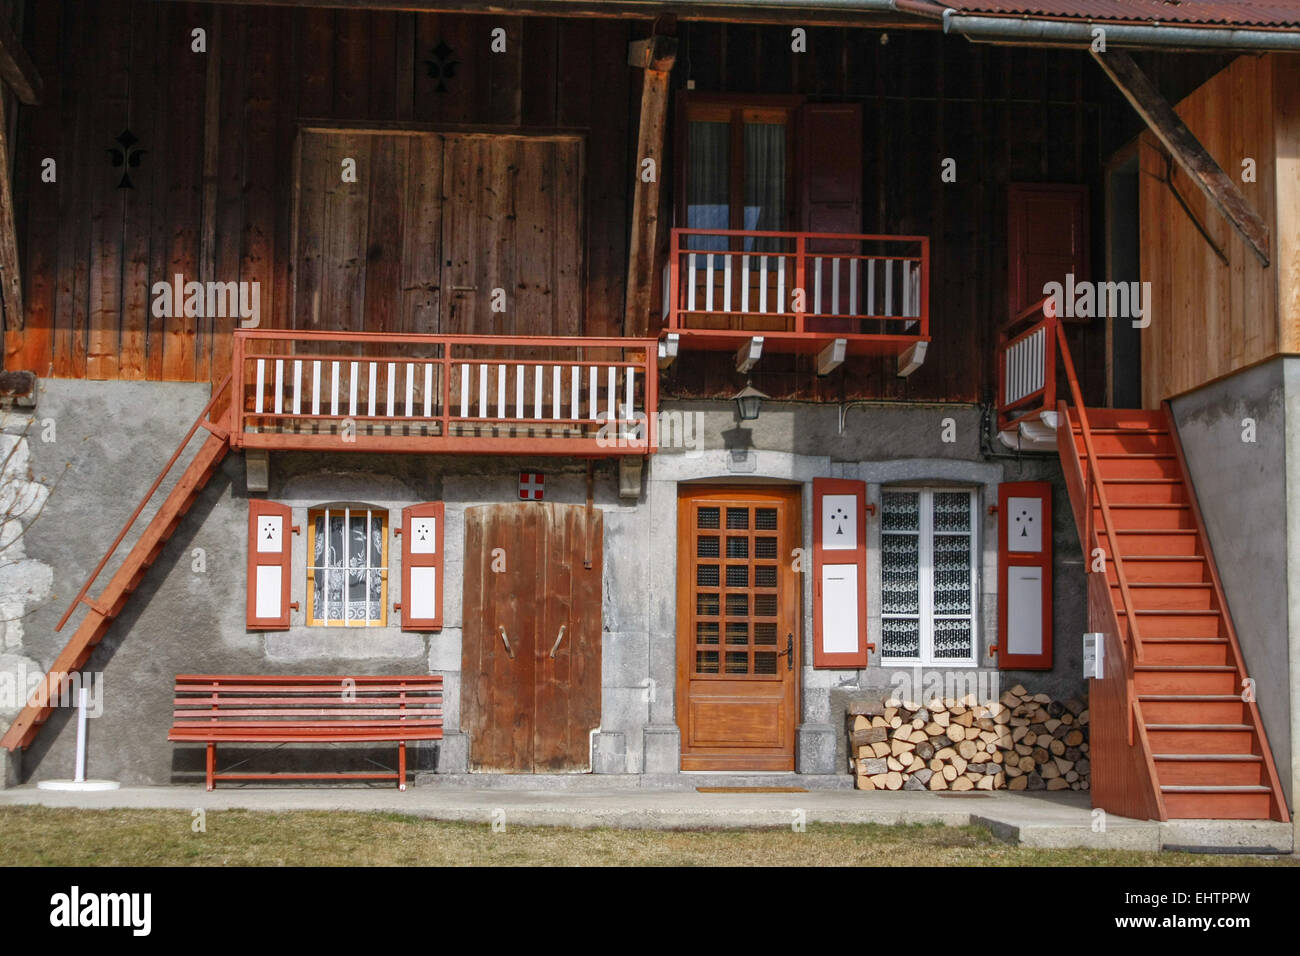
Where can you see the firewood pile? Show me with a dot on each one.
(1021, 741)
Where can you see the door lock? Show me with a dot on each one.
(788, 653)
(558, 638)
(505, 640)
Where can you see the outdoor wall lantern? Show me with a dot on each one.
(748, 401)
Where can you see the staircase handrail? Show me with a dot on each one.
(216, 429)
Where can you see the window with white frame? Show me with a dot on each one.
(347, 578)
(928, 581)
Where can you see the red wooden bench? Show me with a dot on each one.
(261, 709)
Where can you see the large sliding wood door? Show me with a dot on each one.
(413, 231)
(530, 660)
(737, 627)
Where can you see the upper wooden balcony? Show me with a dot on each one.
(829, 294)
(485, 394)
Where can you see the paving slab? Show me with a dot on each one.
(1056, 820)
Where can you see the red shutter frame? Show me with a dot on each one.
(823, 557)
(261, 564)
(1008, 559)
(416, 564)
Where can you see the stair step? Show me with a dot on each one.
(1200, 727)
(1185, 650)
(1191, 697)
(1244, 758)
(1193, 679)
(1213, 788)
(1160, 569)
(1139, 466)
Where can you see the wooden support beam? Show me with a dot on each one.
(1183, 145)
(11, 283)
(832, 357)
(912, 359)
(668, 349)
(749, 354)
(16, 67)
(803, 13)
(656, 55)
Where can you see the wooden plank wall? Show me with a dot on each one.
(90, 251)
(1210, 318)
(1004, 115)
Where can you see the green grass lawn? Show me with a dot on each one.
(40, 836)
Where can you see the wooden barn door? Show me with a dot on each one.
(530, 662)
(737, 627)
(399, 231)
(512, 220)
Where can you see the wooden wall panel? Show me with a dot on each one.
(1211, 318)
(1286, 131)
(91, 252)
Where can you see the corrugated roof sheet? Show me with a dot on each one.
(1247, 13)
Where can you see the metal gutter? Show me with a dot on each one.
(1035, 32)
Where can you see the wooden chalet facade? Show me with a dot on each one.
(455, 307)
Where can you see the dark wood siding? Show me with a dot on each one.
(213, 195)
(91, 251)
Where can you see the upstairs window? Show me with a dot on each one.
(347, 578)
(736, 171)
(928, 588)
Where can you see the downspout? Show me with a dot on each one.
(1075, 34)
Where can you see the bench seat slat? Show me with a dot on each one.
(239, 712)
(305, 678)
(361, 700)
(210, 689)
(202, 722)
(430, 733)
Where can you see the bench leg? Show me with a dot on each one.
(212, 764)
(401, 765)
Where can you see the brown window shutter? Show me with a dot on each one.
(830, 170)
(839, 573)
(1025, 575)
(422, 552)
(270, 529)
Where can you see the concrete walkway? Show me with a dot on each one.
(1055, 820)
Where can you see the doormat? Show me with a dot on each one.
(751, 789)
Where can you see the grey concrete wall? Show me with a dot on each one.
(1242, 487)
(117, 436)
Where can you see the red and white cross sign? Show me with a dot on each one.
(530, 485)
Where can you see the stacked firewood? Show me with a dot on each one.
(1021, 741)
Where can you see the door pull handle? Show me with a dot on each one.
(505, 640)
(559, 637)
(788, 653)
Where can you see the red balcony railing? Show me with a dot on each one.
(1027, 364)
(346, 391)
(797, 289)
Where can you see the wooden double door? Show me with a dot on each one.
(737, 627)
(530, 660)
(412, 231)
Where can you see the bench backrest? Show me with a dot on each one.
(354, 700)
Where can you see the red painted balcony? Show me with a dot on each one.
(345, 391)
(821, 293)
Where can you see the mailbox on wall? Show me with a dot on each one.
(1025, 575)
(839, 573)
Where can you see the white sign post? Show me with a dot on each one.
(80, 782)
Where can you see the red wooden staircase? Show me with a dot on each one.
(101, 611)
(1179, 677)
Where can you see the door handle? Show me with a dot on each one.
(559, 637)
(464, 288)
(505, 640)
(788, 653)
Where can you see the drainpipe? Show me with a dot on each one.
(1012, 30)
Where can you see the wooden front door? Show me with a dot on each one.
(737, 627)
(530, 660)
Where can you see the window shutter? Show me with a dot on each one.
(269, 548)
(839, 573)
(422, 566)
(830, 171)
(1025, 575)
